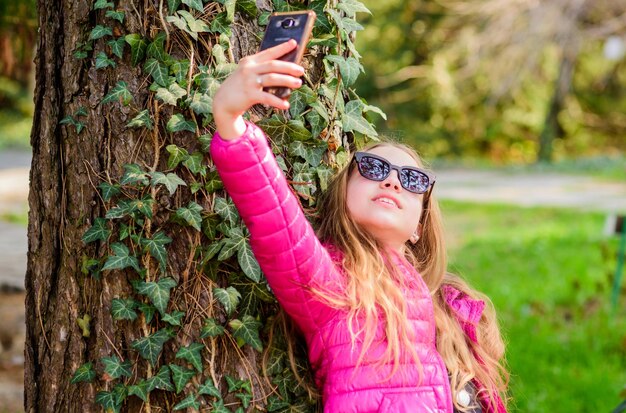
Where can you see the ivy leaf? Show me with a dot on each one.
(99, 32)
(351, 7)
(173, 318)
(285, 131)
(120, 210)
(195, 4)
(226, 209)
(205, 142)
(350, 25)
(158, 292)
(142, 119)
(245, 398)
(84, 373)
(177, 155)
(191, 214)
(221, 24)
(121, 259)
(115, 368)
(300, 99)
(102, 4)
(202, 104)
(353, 119)
(214, 183)
(375, 109)
(324, 174)
(117, 46)
(157, 70)
(178, 123)
(143, 205)
(116, 15)
(218, 407)
(248, 262)
(249, 7)
(317, 123)
(229, 247)
(141, 390)
(274, 403)
(150, 347)
(156, 48)
(148, 311)
(156, 246)
(236, 384)
(188, 402)
(194, 163)
(312, 154)
(349, 68)
(228, 297)
(211, 328)
(161, 380)
(230, 5)
(123, 309)
(181, 376)
(172, 5)
(137, 47)
(108, 401)
(191, 353)
(180, 69)
(119, 93)
(98, 231)
(188, 23)
(171, 181)
(103, 61)
(209, 389)
(133, 174)
(171, 94)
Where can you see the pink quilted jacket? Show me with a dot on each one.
(292, 259)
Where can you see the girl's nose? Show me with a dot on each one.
(392, 182)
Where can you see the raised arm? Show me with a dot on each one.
(282, 239)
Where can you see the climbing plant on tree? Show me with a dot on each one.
(143, 292)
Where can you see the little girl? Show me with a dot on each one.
(387, 330)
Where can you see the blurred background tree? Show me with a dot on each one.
(18, 31)
(514, 81)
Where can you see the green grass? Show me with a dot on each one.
(14, 129)
(549, 274)
(20, 218)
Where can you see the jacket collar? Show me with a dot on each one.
(466, 310)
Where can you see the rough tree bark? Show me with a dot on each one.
(66, 169)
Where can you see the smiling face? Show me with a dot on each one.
(387, 211)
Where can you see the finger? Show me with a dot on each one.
(279, 66)
(269, 99)
(275, 79)
(277, 51)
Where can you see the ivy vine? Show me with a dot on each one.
(136, 230)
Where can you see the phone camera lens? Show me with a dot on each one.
(288, 23)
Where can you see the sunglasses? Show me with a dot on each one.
(377, 168)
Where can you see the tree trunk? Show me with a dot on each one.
(552, 128)
(69, 319)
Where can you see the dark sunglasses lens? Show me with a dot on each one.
(414, 181)
(372, 168)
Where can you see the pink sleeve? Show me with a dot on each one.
(282, 239)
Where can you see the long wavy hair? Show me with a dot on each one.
(373, 290)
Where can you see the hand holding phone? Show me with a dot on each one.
(282, 27)
(244, 87)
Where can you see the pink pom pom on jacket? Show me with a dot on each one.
(293, 259)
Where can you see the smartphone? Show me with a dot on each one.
(282, 27)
